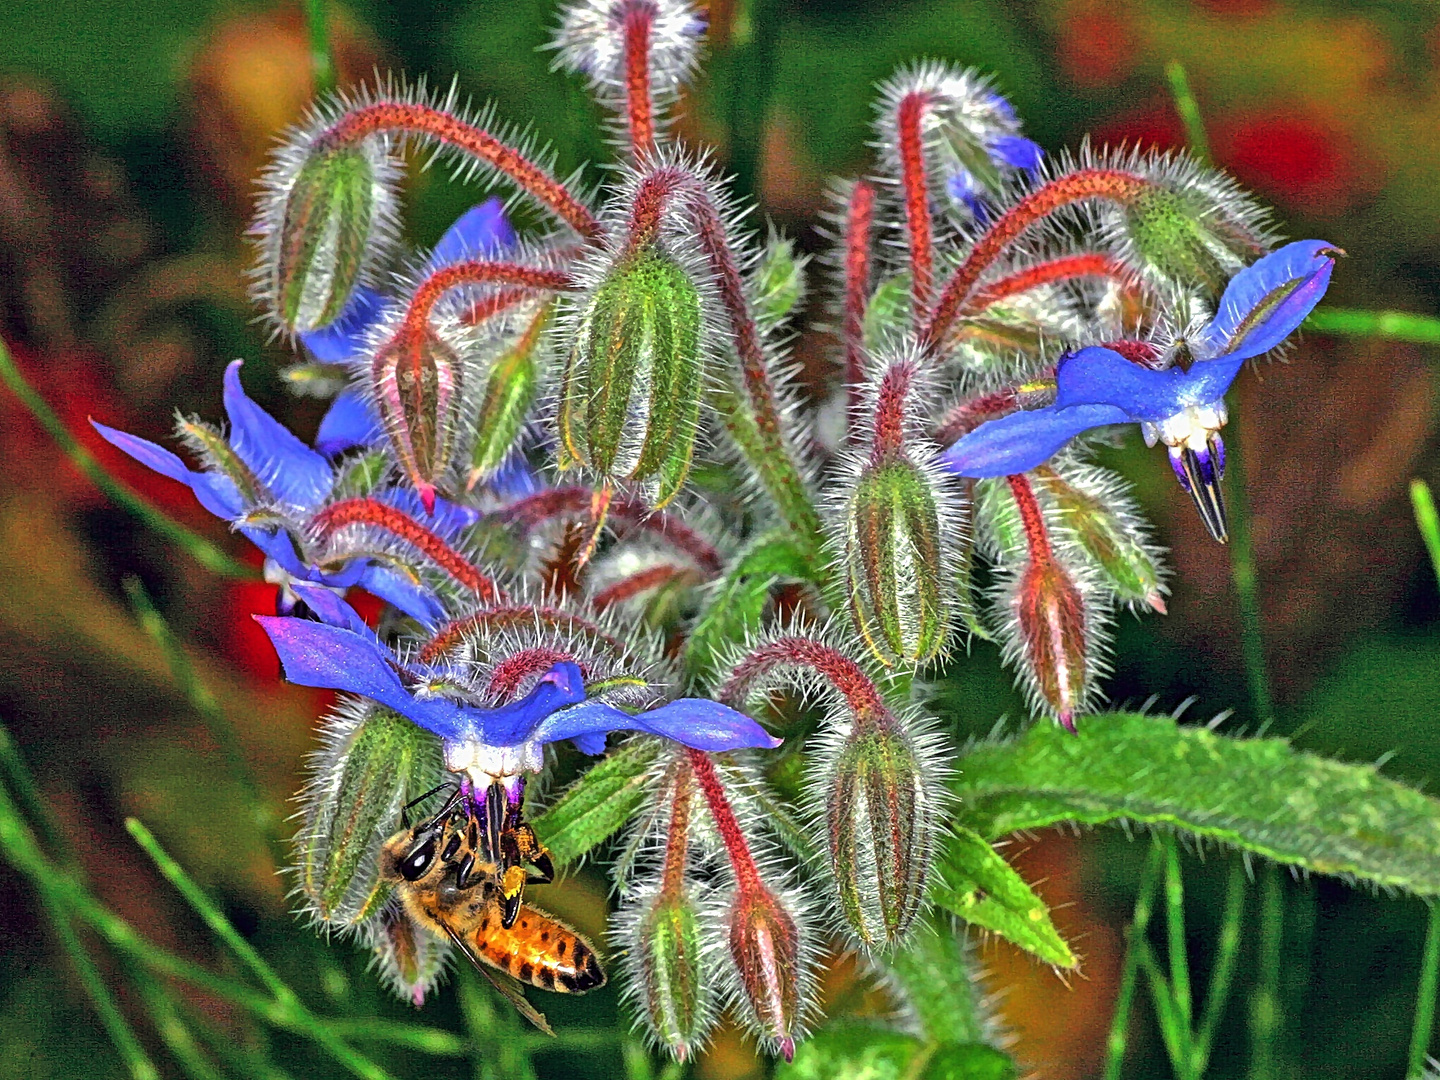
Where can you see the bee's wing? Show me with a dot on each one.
(507, 986)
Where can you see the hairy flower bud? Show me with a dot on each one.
(509, 393)
(765, 947)
(780, 282)
(373, 762)
(880, 826)
(1050, 616)
(409, 959)
(1105, 526)
(671, 976)
(319, 224)
(417, 377)
(630, 402)
(894, 564)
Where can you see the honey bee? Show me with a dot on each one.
(450, 873)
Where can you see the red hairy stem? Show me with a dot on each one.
(639, 108)
(498, 302)
(1112, 184)
(917, 200)
(512, 616)
(627, 588)
(677, 835)
(1033, 521)
(399, 524)
(478, 272)
(1067, 268)
(572, 501)
(418, 118)
(859, 218)
(509, 674)
(747, 875)
(651, 198)
(890, 412)
(968, 415)
(838, 670)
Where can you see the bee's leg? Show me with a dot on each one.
(462, 870)
(534, 853)
(543, 869)
(512, 891)
(449, 803)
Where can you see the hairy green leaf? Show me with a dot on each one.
(598, 804)
(935, 971)
(1261, 795)
(977, 884)
(862, 1052)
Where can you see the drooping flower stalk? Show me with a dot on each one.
(916, 187)
(639, 16)
(1048, 272)
(859, 220)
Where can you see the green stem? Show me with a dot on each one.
(1427, 521)
(203, 702)
(1265, 1012)
(322, 64)
(936, 973)
(197, 547)
(1189, 110)
(1393, 325)
(1173, 1031)
(170, 1025)
(1223, 976)
(22, 784)
(1130, 970)
(1247, 583)
(1176, 946)
(1425, 995)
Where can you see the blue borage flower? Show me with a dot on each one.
(268, 485)
(1181, 406)
(341, 653)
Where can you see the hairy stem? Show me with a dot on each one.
(917, 202)
(747, 875)
(859, 220)
(639, 106)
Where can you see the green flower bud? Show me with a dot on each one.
(894, 563)
(880, 818)
(374, 761)
(509, 393)
(765, 946)
(324, 235)
(1053, 640)
(1130, 567)
(780, 281)
(671, 976)
(1187, 235)
(630, 403)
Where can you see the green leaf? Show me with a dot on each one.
(864, 1052)
(739, 601)
(982, 888)
(1261, 795)
(935, 971)
(598, 804)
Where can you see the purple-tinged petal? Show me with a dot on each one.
(331, 609)
(344, 339)
(216, 492)
(404, 593)
(1019, 442)
(1100, 376)
(277, 546)
(285, 465)
(1016, 151)
(1265, 302)
(694, 722)
(515, 479)
(480, 231)
(522, 720)
(349, 422)
(447, 519)
(314, 654)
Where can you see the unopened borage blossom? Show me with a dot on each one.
(649, 542)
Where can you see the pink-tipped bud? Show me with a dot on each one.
(880, 818)
(1050, 614)
(409, 959)
(765, 947)
(672, 976)
(417, 378)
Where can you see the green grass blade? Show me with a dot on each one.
(1119, 1036)
(1257, 794)
(1425, 996)
(1391, 325)
(1223, 975)
(1179, 983)
(1427, 521)
(1189, 110)
(1266, 1016)
(322, 62)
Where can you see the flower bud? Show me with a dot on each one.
(1050, 615)
(670, 975)
(373, 762)
(418, 379)
(509, 393)
(894, 563)
(321, 232)
(880, 815)
(780, 282)
(765, 947)
(410, 960)
(1130, 568)
(630, 402)
(1192, 229)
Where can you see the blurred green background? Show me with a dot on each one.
(131, 132)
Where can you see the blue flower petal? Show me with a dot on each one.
(522, 720)
(215, 491)
(330, 608)
(1019, 442)
(349, 422)
(694, 722)
(343, 340)
(277, 547)
(515, 479)
(447, 518)
(314, 654)
(1265, 302)
(286, 466)
(400, 591)
(1016, 151)
(480, 231)
(1100, 376)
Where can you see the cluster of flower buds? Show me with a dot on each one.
(551, 572)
